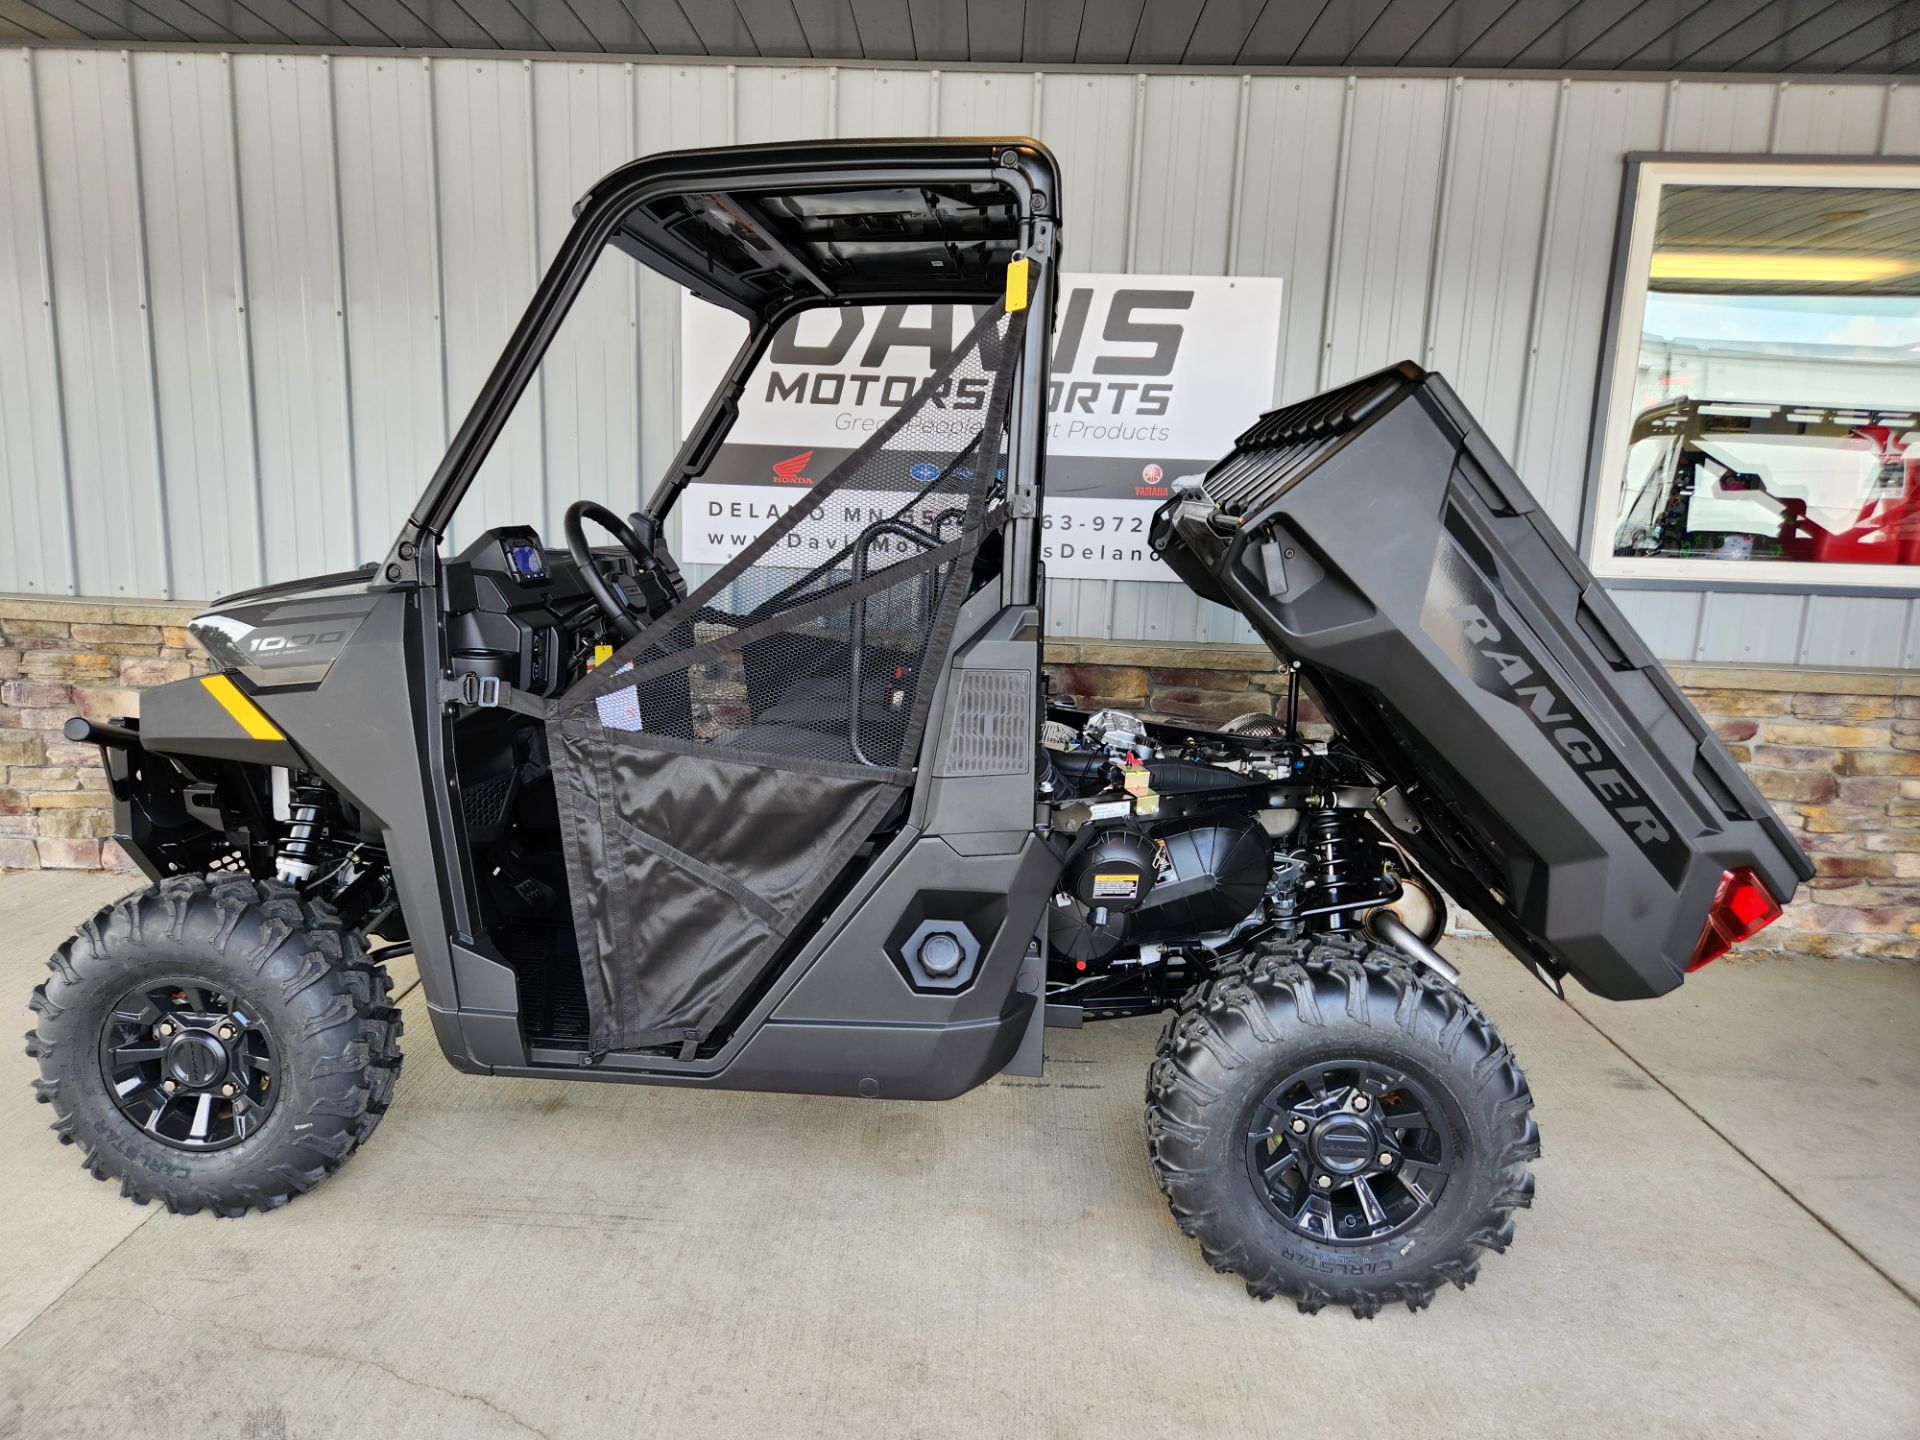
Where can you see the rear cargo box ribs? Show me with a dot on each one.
(1286, 443)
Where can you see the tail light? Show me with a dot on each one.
(1742, 908)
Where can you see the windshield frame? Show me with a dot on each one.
(603, 221)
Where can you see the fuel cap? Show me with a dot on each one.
(940, 954)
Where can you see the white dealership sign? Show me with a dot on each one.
(1153, 376)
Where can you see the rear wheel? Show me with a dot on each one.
(1333, 1124)
(215, 1043)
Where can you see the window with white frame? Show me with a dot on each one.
(1763, 417)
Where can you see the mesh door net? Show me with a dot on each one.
(718, 771)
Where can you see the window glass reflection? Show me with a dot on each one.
(1777, 379)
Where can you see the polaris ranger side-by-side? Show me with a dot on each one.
(818, 826)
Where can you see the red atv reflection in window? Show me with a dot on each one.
(1727, 480)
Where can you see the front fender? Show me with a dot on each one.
(214, 716)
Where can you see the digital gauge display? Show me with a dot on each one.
(526, 560)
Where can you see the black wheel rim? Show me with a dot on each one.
(189, 1064)
(1349, 1152)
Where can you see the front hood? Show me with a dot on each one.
(311, 586)
(289, 633)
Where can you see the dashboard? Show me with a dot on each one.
(517, 611)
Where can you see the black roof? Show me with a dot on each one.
(762, 229)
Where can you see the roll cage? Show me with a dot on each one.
(769, 232)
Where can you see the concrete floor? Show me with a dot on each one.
(1723, 1245)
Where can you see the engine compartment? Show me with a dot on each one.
(1182, 846)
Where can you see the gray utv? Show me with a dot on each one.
(818, 826)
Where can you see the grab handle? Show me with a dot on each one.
(858, 627)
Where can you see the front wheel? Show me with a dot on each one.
(215, 1042)
(1335, 1125)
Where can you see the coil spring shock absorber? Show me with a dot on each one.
(301, 853)
(1343, 867)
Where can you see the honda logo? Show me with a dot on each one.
(792, 470)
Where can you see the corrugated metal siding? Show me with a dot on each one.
(90, 169)
(489, 257)
(396, 393)
(296, 315)
(244, 299)
(1383, 226)
(208, 448)
(36, 544)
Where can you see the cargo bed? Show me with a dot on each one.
(1541, 764)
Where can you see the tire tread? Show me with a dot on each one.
(1223, 1024)
(347, 1051)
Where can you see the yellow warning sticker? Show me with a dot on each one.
(1017, 284)
(601, 654)
(1115, 884)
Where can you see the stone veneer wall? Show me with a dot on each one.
(1838, 752)
(59, 658)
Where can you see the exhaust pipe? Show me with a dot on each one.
(1390, 929)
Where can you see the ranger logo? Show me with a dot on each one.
(1461, 614)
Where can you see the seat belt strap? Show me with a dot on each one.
(489, 692)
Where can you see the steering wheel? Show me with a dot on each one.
(613, 602)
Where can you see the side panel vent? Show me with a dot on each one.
(991, 728)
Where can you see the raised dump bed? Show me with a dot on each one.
(1544, 766)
